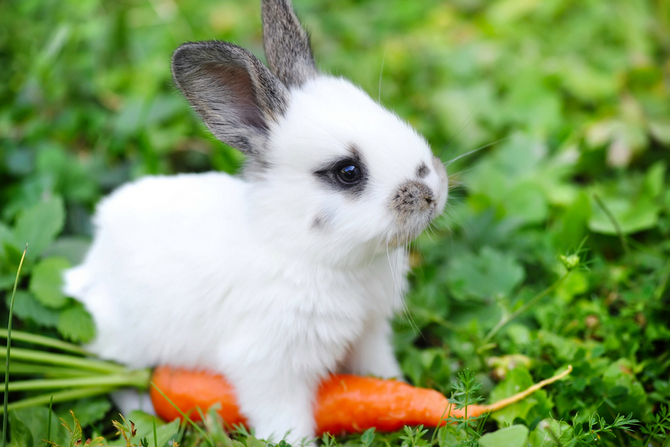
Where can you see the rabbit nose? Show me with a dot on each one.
(411, 197)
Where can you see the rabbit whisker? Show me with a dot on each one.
(329, 132)
(397, 291)
(406, 310)
(460, 129)
(381, 72)
(447, 163)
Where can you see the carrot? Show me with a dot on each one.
(344, 403)
(189, 390)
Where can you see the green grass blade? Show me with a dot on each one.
(51, 403)
(9, 345)
(184, 415)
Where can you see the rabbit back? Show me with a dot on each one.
(160, 245)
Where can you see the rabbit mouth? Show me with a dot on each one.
(410, 226)
(414, 205)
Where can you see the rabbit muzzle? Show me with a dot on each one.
(414, 205)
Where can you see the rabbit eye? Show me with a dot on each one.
(349, 174)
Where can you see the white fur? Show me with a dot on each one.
(212, 271)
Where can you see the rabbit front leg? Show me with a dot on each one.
(372, 354)
(278, 404)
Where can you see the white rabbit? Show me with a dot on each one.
(286, 274)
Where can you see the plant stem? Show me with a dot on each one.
(527, 392)
(523, 308)
(67, 360)
(52, 371)
(44, 341)
(61, 396)
(658, 293)
(135, 378)
(614, 222)
(9, 345)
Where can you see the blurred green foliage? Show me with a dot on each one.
(575, 94)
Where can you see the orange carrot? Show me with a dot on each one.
(189, 390)
(344, 403)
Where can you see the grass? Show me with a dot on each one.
(9, 347)
(552, 252)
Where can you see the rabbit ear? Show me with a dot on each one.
(286, 44)
(233, 92)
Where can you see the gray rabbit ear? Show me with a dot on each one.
(286, 43)
(233, 92)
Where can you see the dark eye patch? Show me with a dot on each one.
(347, 174)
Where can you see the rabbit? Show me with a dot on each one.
(287, 273)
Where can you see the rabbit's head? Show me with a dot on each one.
(331, 172)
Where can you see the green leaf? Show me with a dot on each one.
(144, 422)
(548, 431)
(633, 201)
(76, 324)
(71, 248)
(6, 234)
(487, 275)
(29, 427)
(575, 284)
(631, 215)
(165, 433)
(20, 161)
(526, 203)
(9, 264)
(39, 225)
(584, 81)
(47, 281)
(572, 224)
(90, 410)
(623, 390)
(368, 436)
(251, 441)
(565, 348)
(20, 434)
(661, 131)
(514, 436)
(26, 307)
(654, 181)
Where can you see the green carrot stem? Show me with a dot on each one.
(41, 340)
(135, 378)
(23, 369)
(67, 360)
(61, 396)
